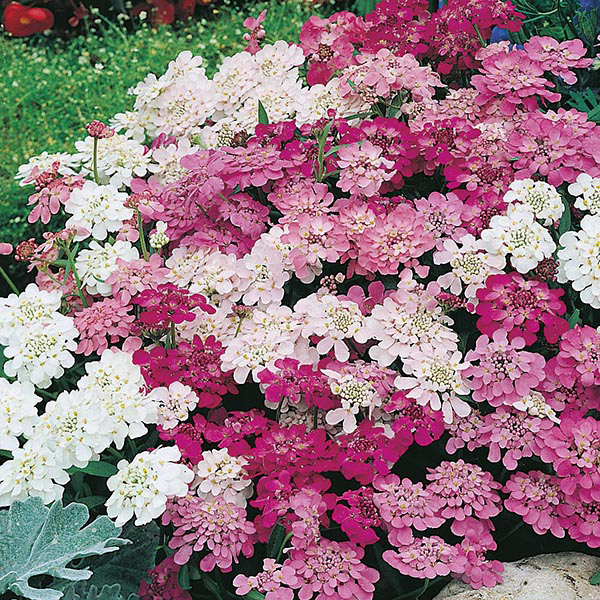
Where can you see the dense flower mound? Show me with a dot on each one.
(325, 316)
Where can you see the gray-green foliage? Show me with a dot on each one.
(107, 592)
(39, 540)
(121, 571)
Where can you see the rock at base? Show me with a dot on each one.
(562, 576)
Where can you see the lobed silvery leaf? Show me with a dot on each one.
(40, 540)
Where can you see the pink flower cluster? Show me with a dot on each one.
(309, 295)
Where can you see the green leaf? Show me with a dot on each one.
(183, 578)
(364, 7)
(37, 540)
(595, 579)
(92, 501)
(565, 220)
(573, 319)
(275, 540)
(263, 118)
(95, 467)
(254, 595)
(212, 587)
(586, 101)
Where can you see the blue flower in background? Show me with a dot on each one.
(589, 5)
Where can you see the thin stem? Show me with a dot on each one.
(95, 159)
(512, 531)
(483, 44)
(173, 334)
(76, 276)
(286, 539)
(8, 280)
(142, 238)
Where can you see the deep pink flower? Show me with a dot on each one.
(169, 304)
(505, 372)
(367, 452)
(293, 382)
(328, 44)
(274, 493)
(294, 449)
(187, 437)
(419, 424)
(163, 583)
(236, 426)
(196, 363)
(357, 514)
(520, 307)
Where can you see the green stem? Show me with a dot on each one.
(278, 413)
(142, 238)
(513, 530)
(76, 276)
(173, 334)
(96, 177)
(286, 539)
(483, 44)
(8, 280)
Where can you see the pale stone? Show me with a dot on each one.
(562, 576)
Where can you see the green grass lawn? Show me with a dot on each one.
(49, 88)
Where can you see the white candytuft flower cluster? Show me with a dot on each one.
(39, 340)
(539, 197)
(579, 260)
(18, 412)
(519, 235)
(33, 471)
(98, 263)
(141, 487)
(97, 209)
(174, 403)
(220, 474)
(587, 191)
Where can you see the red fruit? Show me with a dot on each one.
(22, 21)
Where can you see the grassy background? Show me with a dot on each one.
(49, 88)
